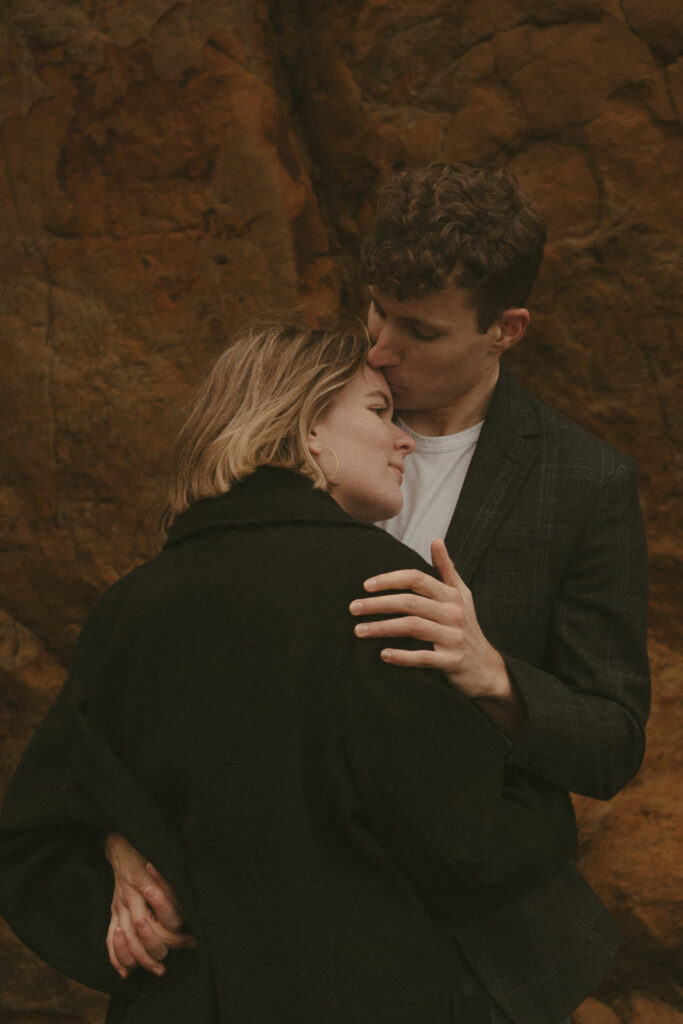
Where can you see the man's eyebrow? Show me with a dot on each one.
(411, 321)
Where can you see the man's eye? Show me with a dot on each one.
(423, 335)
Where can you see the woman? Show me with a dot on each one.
(328, 821)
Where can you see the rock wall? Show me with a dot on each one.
(168, 168)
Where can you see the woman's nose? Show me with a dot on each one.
(404, 442)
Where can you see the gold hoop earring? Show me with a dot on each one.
(325, 447)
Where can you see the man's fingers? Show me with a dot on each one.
(419, 629)
(405, 579)
(420, 582)
(441, 561)
(413, 659)
(407, 604)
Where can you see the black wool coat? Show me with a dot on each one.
(334, 825)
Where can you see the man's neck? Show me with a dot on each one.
(468, 410)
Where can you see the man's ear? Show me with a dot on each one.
(509, 328)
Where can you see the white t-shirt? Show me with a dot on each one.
(432, 481)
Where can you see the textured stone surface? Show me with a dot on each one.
(170, 167)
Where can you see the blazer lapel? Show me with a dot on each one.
(507, 448)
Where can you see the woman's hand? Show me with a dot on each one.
(146, 917)
(442, 613)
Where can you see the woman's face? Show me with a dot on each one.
(360, 450)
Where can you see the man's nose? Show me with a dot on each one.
(383, 352)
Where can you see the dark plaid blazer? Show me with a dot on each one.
(548, 535)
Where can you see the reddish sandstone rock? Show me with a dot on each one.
(30, 681)
(660, 24)
(632, 850)
(156, 193)
(594, 1012)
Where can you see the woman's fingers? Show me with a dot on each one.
(111, 950)
(137, 940)
(164, 902)
(147, 918)
(130, 952)
(150, 940)
(130, 949)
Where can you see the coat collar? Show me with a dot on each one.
(269, 495)
(506, 450)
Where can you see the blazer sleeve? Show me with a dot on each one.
(588, 703)
(429, 770)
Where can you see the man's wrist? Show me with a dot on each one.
(502, 703)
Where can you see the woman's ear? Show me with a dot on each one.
(314, 445)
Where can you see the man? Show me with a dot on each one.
(540, 618)
(544, 622)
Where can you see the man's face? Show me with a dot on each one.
(432, 352)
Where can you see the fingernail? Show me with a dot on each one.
(370, 584)
(355, 607)
(159, 971)
(150, 892)
(361, 629)
(387, 655)
(124, 974)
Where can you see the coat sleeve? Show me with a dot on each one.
(68, 791)
(55, 883)
(589, 702)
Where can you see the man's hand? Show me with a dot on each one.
(442, 613)
(146, 917)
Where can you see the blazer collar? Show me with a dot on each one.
(506, 450)
(269, 495)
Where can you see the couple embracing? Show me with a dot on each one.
(330, 777)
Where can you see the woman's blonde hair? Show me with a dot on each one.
(257, 406)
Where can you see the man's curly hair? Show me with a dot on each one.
(451, 223)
